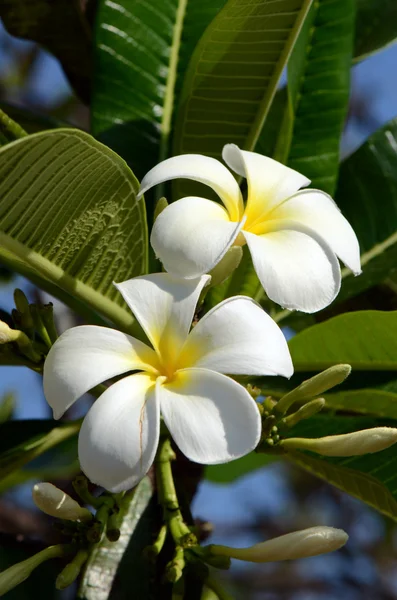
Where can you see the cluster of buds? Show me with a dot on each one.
(278, 418)
(33, 332)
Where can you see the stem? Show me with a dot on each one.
(216, 587)
(168, 498)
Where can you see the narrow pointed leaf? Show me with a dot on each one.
(70, 220)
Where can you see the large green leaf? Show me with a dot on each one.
(141, 54)
(234, 72)
(120, 569)
(319, 86)
(58, 26)
(367, 195)
(376, 26)
(375, 402)
(70, 220)
(371, 478)
(366, 340)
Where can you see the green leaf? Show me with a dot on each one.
(233, 74)
(70, 220)
(365, 402)
(365, 340)
(376, 26)
(141, 53)
(120, 569)
(58, 26)
(231, 471)
(319, 86)
(372, 478)
(22, 441)
(366, 176)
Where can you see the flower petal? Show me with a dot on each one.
(164, 306)
(317, 210)
(212, 418)
(85, 356)
(295, 266)
(120, 433)
(192, 235)
(269, 182)
(238, 337)
(200, 168)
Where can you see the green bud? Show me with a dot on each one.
(305, 412)
(292, 546)
(8, 335)
(313, 387)
(21, 302)
(161, 205)
(16, 574)
(357, 443)
(71, 571)
(56, 503)
(7, 406)
(174, 569)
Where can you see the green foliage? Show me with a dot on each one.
(372, 478)
(70, 220)
(319, 86)
(376, 26)
(233, 74)
(114, 568)
(61, 28)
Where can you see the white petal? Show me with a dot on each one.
(192, 235)
(212, 418)
(85, 356)
(296, 268)
(269, 182)
(119, 436)
(164, 306)
(317, 210)
(200, 168)
(238, 337)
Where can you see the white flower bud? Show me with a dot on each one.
(6, 333)
(54, 502)
(292, 546)
(357, 443)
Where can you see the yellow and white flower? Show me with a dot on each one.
(294, 235)
(211, 417)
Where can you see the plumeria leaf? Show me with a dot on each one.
(318, 81)
(231, 471)
(372, 478)
(233, 74)
(375, 402)
(376, 26)
(70, 220)
(22, 441)
(365, 340)
(115, 567)
(141, 53)
(60, 27)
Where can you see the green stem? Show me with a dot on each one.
(168, 498)
(216, 587)
(9, 130)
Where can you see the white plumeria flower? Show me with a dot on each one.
(294, 236)
(211, 417)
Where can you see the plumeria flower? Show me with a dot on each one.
(294, 236)
(211, 417)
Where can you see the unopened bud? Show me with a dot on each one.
(226, 265)
(315, 386)
(54, 502)
(70, 573)
(7, 334)
(161, 205)
(357, 443)
(292, 546)
(16, 574)
(305, 412)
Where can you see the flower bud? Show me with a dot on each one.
(70, 573)
(7, 334)
(292, 546)
(56, 503)
(366, 441)
(16, 574)
(226, 265)
(305, 412)
(161, 205)
(315, 386)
